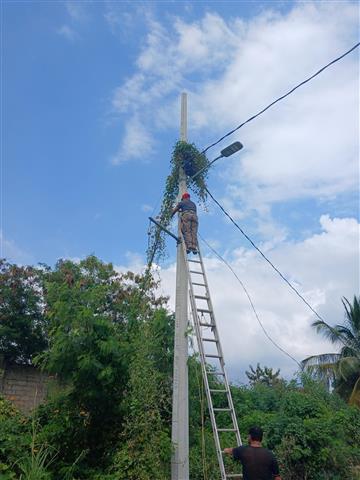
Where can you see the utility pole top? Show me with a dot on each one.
(183, 125)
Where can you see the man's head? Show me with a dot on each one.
(255, 434)
(185, 196)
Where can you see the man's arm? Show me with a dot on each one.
(275, 469)
(176, 209)
(228, 451)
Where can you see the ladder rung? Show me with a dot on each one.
(199, 284)
(222, 409)
(201, 297)
(226, 430)
(234, 475)
(215, 373)
(194, 261)
(210, 355)
(217, 391)
(209, 340)
(203, 310)
(206, 325)
(196, 271)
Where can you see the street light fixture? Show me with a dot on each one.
(233, 148)
(226, 152)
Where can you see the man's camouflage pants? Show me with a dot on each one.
(189, 227)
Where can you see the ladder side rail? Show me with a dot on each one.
(207, 390)
(227, 384)
(211, 308)
(217, 337)
(232, 409)
(222, 361)
(203, 367)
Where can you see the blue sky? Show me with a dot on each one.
(62, 63)
(90, 114)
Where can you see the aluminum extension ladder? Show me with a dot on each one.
(210, 350)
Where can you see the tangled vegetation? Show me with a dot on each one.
(188, 157)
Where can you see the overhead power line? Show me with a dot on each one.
(250, 301)
(281, 98)
(276, 101)
(265, 257)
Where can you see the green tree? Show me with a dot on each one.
(342, 368)
(264, 375)
(97, 319)
(145, 448)
(22, 322)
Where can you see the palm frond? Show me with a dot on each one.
(323, 367)
(342, 367)
(352, 314)
(350, 351)
(348, 366)
(330, 333)
(355, 394)
(345, 332)
(322, 359)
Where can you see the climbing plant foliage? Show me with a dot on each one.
(185, 155)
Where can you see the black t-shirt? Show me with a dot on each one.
(187, 205)
(258, 463)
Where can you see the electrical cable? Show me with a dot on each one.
(250, 301)
(241, 125)
(281, 98)
(276, 101)
(202, 410)
(265, 257)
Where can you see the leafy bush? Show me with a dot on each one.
(15, 439)
(22, 322)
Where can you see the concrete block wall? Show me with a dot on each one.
(24, 385)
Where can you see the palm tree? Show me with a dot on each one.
(343, 368)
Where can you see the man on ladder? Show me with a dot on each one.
(189, 222)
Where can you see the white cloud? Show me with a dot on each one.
(132, 92)
(323, 267)
(304, 147)
(137, 143)
(77, 10)
(134, 263)
(67, 32)
(78, 14)
(123, 17)
(12, 252)
(146, 208)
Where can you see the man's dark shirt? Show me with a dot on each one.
(258, 463)
(186, 205)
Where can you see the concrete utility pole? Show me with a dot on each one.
(180, 406)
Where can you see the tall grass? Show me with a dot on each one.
(34, 466)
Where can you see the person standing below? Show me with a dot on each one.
(189, 222)
(258, 463)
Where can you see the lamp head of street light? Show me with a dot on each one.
(234, 147)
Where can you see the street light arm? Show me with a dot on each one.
(226, 152)
(206, 167)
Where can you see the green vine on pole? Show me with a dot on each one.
(184, 155)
